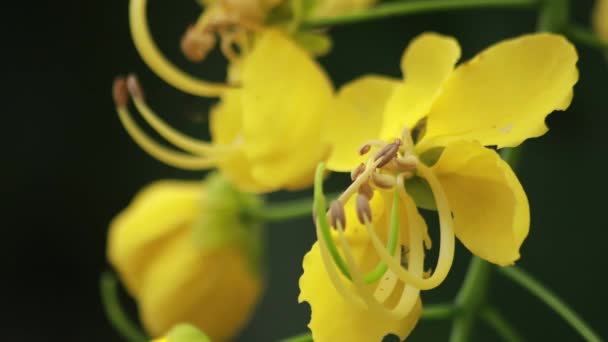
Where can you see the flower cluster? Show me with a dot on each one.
(191, 252)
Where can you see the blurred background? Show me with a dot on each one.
(69, 167)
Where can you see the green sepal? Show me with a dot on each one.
(318, 44)
(421, 192)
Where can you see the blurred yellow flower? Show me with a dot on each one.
(426, 135)
(266, 133)
(185, 257)
(600, 19)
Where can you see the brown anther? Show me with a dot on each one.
(386, 154)
(356, 172)
(364, 212)
(397, 142)
(134, 88)
(120, 93)
(364, 149)
(336, 215)
(383, 181)
(407, 162)
(196, 44)
(366, 190)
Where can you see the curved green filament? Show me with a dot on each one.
(321, 220)
(393, 237)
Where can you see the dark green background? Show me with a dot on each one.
(68, 167)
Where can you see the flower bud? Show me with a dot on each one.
(157, 245)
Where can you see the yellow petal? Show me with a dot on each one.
(158, 211)
(426, 64)
(215, 290)
(600, 19)
(226, 125)
(490, 207)
(285, 95)
(502, 96)
(356, 116)
(335, 319)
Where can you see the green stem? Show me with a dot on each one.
(118, 318)
(283, 211)
(584, 36)
(470, 299)
(526, 281)
(412, 7)
(498, 322)
(437, 312)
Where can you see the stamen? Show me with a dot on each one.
(366, 190)
(196, 44)
(356, 184)
(364, 149)
(446, 249)
(175, 137)
(120, 94)
(407, 162)
(159, 63)
(167, 156)
(386, 154)
(383, 181)
(356, 172)
(364, 212)
(336, 214)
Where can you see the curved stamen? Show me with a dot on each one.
(408, 298)
(157, 61)
(324, 230)
(172, 135)
(165, 155)
(446, 249)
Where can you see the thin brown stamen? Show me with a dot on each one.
(336, 215)
(364, 212)
(356, 172)
(120, 93)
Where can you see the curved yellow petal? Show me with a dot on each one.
(215, 290)
(489, 205)
(355, 117)
(285, 94)
(502, 96)
(426, 64)
(226, 126)
(600, 19)
(335, 319)
(158, 211)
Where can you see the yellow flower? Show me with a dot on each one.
(266, 133)
(184, 256)
(376, 303)
(600, 19)
(426, 135)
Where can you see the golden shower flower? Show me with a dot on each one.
(600, 19)
(375, 303)
(186, 256)
(265, 133)
(427, 134)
